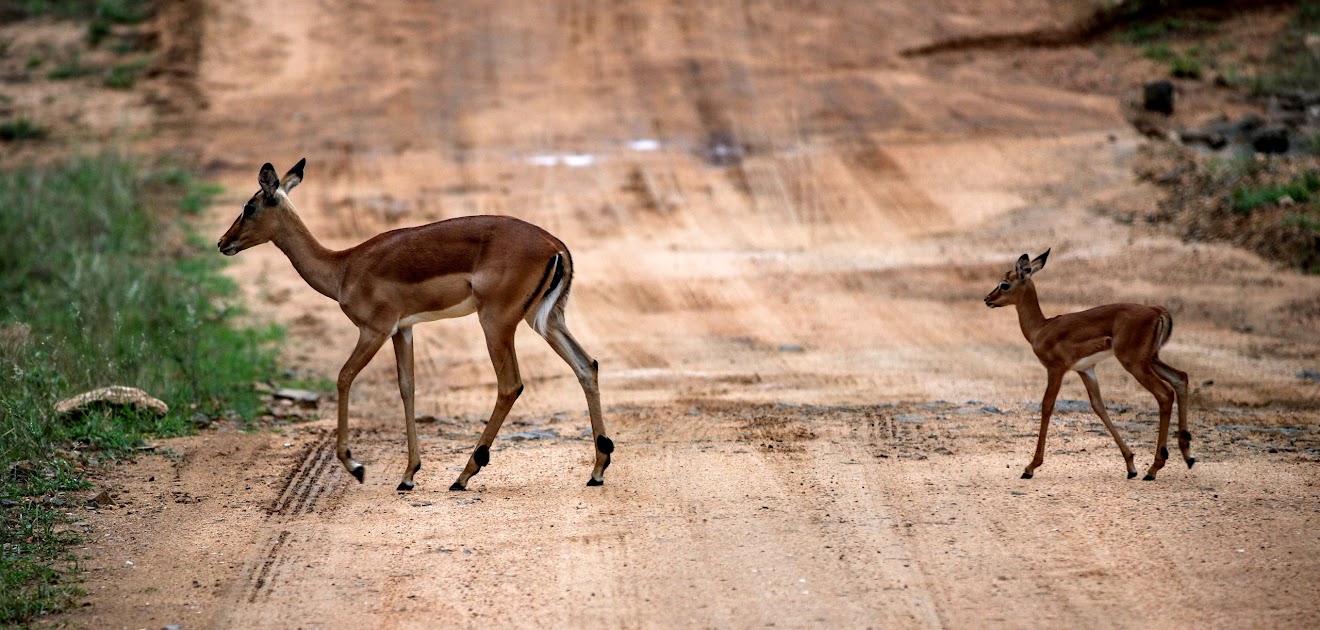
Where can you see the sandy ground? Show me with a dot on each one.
(818, 421)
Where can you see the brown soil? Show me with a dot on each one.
(779, 324)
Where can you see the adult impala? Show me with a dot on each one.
(503, 269)
(1131, 333)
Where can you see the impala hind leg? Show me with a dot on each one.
(1098, 405)
(587, 371)
(499, 342)
(1164, 395)
(368, 343)
(1055, 379)
(1178, 379)
(403, 357)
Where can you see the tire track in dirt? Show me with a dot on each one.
(305, 486)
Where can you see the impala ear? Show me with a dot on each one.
(1039, 262)
(269, 181)
(1023, 266)
(294, 176)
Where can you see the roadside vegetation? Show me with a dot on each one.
(1259, 186)
(104, 284)
(114, 52)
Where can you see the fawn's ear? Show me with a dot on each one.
(1039, 262)
(270, 182)
(294, 176)
(1023, 267)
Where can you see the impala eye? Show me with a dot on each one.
(1004, 286)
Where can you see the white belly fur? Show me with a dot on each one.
(466, 307)
(1087, 363)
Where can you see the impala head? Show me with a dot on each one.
(1011, 287)
(260, 219)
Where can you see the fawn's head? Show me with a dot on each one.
(259, 222)
(1011, 288)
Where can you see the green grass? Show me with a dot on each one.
(21, 129)
(1163, 29)
(70, 68)
(104, 284)
(1300, 189)
(121, 11)
(1184, 65)
(1185, 68)
(123, 76)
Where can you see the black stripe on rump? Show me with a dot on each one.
(559, 273)
(531, 299)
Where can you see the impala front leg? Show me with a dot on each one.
(368, 343)
(1046, 410)
(403, 356)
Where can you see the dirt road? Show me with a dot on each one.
(782, 230)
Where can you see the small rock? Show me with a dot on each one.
(1309, 375)
(1287, 201)
(791, 347)
(262, 387)
(102, 499)
(1271, 140)
(1157, 96)
(8, 503)
(426, 419)
(173, 626)
(200, 420)
(1016, 493)
(300, 396)
(1250, 122)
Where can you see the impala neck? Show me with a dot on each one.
(316, 264)
(1030, 318)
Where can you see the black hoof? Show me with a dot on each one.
(481, 455)
(1191, 461)
(593, 482)
(1026, 475)
(360, 472)
(457, 487)
(404, 486)
(1131, 475)
(1148, 478)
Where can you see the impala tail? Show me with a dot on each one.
(554, 295)
(1163, 328)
